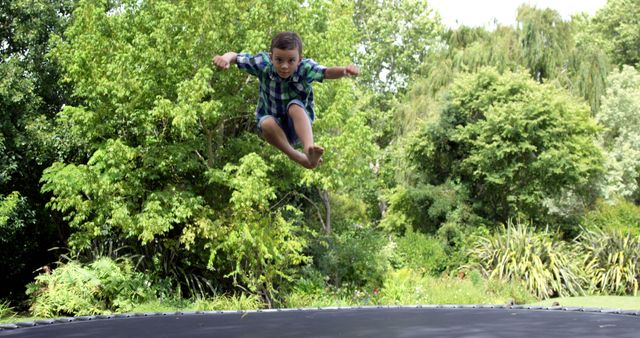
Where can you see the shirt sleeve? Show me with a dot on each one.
(312, 71)
(253, 64)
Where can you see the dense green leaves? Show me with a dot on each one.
(617, 22)
(149, 148)
(621, 137)
(513, 143)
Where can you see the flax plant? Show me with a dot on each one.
(517, 253)
(611, 261)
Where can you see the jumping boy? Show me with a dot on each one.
(285, 105)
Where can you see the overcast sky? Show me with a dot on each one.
(482, 12)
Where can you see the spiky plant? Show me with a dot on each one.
(545, 265)
(611, 261)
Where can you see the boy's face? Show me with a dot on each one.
(285, 61)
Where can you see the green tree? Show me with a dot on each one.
(174, 159)
(511, 143)
(620, 139)
(395, 36)
(29, 98)
(545, 40)
(617, 23)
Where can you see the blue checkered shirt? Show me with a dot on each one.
(276, 92)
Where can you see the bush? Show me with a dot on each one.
(236, 302)
(545, 265)
(358, 257)
(6, 310)
(611, 261)
(102, 286)
(421, 253)
(621, 216)
(406, 286)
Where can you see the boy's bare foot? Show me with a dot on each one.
(302, 159)
(309, 160)
(314, 154)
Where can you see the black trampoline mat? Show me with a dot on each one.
(353, 322)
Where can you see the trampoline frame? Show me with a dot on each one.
(46, 322)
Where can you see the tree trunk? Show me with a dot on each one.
(324, 195)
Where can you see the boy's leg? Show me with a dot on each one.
(302, 126)
(274, 134)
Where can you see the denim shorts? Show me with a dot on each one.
(285, 122)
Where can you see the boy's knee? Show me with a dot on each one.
(295, 109)
(268, 124)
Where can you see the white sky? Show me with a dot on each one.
(483, 12)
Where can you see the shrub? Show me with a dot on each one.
(6, 310)
(235, 302)
(546, 266)
(420, 252)
(102, 286)
(611, 261)
(357, 257)
(621, 216)
(405, 286)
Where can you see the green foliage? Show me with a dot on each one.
(235, 302)
(545, 266)
(406, 286)
(420, 253)
(620, 216)
(30, 95)
(611, 261)
(6, 310)
(9, 224)
(396, 35)
(357, 257)
(261, 245)
(620, 139)
(510, 142)
(103, 286)
(545, 39)
(172, 154)
(425, 207)
(617, 23)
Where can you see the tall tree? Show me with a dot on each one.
(174, 158)
(617, 23)
(621, 137)
(545, 39)
(29, 98)
(511, 143)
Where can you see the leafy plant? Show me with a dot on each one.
(421, 253)
(611, 261)
(102, 286)
(518, 253)
(357, 257)
(406, 286)
(620, 216)
(234, 302)
(6, 310)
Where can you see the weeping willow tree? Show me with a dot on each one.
(551, 50)
(546, 41)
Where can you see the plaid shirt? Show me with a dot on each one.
(276, 92)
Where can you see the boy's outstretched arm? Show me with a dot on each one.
(224, 61)
(339, 72)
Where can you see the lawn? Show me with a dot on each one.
(611, 302)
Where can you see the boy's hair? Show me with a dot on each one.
(287, 41)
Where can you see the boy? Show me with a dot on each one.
(285, 105)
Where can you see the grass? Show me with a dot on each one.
(610, 302)
(403, 287)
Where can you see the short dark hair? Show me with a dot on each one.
(287, 41)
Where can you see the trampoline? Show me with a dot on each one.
(402, 321)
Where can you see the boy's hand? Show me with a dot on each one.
(221, 62)
(352, 70)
